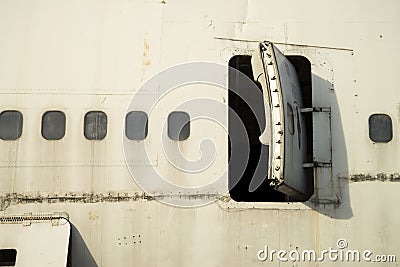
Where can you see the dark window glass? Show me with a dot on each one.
(53, 125)
(136, 125)
(178, 125)
(8, 257)
(10, 125)
(380, 128)
(95, 125)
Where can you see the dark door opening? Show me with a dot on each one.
(239, 191)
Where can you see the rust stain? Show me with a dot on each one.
(398, 112)
(146, 48)
(146, 61)
(93, 215)
(382, 177)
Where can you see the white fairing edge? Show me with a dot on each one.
(37, 242)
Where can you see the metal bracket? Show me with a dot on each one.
(315, 109)
(27, 219)
(317, 164)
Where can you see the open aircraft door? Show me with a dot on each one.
(285, 132)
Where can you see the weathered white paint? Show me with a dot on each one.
(78, 56)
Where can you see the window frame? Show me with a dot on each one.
(169, 130)
(371, 134)
(146, 129)
(84, 125)
(65, 125)
(21, 125)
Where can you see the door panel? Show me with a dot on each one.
(285, 132)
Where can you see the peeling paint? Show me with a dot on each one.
(14, 198)
(382, 177)
(10, 199)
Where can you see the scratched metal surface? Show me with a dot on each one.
(78, 56)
